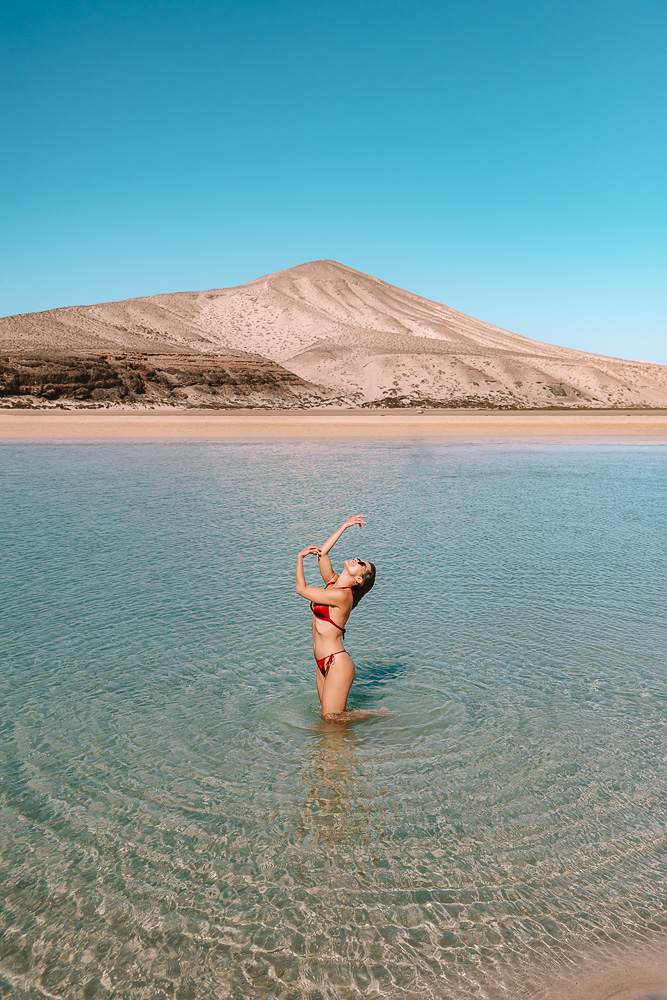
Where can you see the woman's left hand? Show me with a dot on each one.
(311, 550)
(359, 519)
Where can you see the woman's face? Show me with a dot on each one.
(356, 567)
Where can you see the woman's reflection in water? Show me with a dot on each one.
(339, 799)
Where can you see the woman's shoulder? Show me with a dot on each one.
(332, 583)
(348, 591)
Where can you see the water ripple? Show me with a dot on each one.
(177, 821)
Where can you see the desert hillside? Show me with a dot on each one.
(355, 334)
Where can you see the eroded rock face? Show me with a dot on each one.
(145, 379)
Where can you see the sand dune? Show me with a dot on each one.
(355, 334)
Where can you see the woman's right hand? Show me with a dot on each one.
(358, 519)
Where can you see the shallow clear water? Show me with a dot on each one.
(176, 820)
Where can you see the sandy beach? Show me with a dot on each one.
(229, 425)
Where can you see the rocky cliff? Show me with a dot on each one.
(152, 379)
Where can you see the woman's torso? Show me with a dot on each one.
(328, 627)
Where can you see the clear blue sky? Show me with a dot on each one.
(506, 157)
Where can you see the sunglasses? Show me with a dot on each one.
(362, 563)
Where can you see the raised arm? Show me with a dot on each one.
(324, 563)
(335, 597)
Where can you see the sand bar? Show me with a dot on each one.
(230, 425)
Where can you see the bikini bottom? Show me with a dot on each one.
(326, 661)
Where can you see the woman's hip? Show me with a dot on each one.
(340, 661)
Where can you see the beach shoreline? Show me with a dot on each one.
(167, 424)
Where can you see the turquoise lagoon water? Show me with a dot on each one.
(178, 822)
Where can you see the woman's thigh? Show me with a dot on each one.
(319, 680)
(337, 685)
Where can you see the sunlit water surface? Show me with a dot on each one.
(176, 819)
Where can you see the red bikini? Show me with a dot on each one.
(322, 612)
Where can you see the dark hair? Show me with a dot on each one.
(362, 588)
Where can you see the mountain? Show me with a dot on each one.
(355, 334)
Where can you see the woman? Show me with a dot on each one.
(331, 606)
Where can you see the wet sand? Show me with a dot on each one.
(228, 425)
(638, 973)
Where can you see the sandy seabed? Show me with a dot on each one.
(228, 425)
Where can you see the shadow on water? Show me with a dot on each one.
(371, 675)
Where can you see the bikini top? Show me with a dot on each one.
(322, 611)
